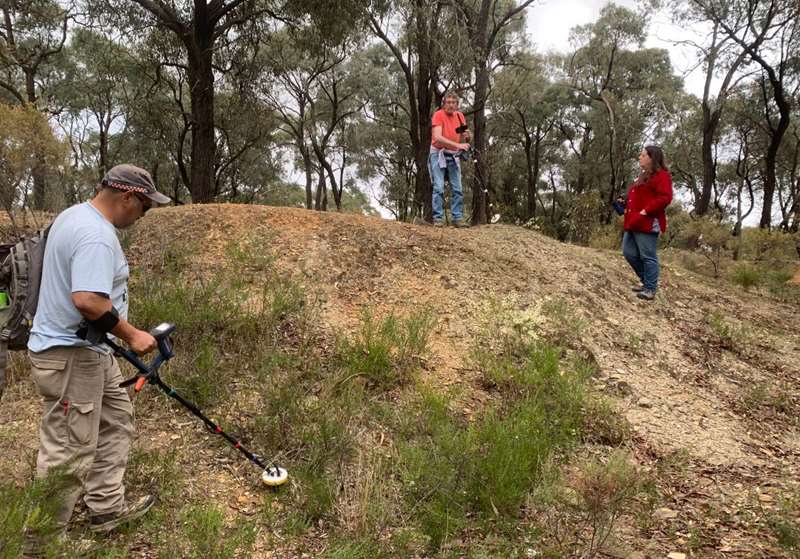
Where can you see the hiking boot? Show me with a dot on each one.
(128, 512)
(438, 223)
(461, 223)
(637, 288)
(646, 294)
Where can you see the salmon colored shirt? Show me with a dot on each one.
(449, 123)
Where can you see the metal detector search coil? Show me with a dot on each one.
(272, 475)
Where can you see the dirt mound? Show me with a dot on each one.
(680, 385)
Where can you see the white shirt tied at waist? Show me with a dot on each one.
(442, 160)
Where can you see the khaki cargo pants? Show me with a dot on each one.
(87, 426)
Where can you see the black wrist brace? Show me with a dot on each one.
(106, 323)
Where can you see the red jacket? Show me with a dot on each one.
(653, 197)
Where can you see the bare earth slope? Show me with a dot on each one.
(682, 384)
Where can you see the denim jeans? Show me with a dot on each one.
(639, 249)
(437, 175)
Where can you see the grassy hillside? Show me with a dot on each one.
(486, 392)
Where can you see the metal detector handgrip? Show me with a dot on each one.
(147, 372)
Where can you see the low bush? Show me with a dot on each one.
(385, 353)
(205, 535)
(31, 509)
(454, 471)
(747, 276)
(581, 513)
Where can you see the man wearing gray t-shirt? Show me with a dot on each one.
(87, 420)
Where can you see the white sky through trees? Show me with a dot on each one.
(549, 23)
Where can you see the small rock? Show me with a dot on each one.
(644, 403)
(676, 555)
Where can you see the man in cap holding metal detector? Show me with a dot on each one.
(87, 421)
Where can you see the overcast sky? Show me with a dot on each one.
(549, 23)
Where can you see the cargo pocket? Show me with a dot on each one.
(48, 374)
(80, 422)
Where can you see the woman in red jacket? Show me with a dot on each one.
(645, 219)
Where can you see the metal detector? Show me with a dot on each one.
(272, 475)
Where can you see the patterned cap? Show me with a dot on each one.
(134, 179)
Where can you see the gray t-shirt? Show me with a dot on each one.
(82, 254)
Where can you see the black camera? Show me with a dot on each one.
(461, 129)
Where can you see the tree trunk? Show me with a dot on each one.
(710, 122)
(201, 83)
(423, 189)
(770, 162)
(318, 203)
(309, 178)
(612, 150)
(480, 188)
(39, 172)
(530, 207)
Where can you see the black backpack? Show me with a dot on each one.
(20, 276)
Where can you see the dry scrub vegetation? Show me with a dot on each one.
(459, 393)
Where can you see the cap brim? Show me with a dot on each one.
(158, 198)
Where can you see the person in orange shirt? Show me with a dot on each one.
(448, 139)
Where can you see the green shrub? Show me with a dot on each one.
(772, 248)
(31, 508)
(732, 336)
(607, 236)
(386, 353)
(486, 469)
(784, 525)
(762, 395)
(226, 322)
(205, 536)
(747, 276)
(710, 239)
(154, 471)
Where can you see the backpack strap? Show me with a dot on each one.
(3, 364)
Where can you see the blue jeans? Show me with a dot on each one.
(437, 175)
(639, 249)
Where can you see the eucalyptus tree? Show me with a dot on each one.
(525, 113)
(99, 90)
(384, 156)
(594, 66)
(292, 67)
(33, 32)
(686, 163)
(725, 62)
(418, 50)
(768, 32)
(32, 35)
(493, 29)
(789, 180)
(201, 28)
(628, 92)
(336, 105)
(26, 141)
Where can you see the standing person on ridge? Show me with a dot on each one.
(645, 219)
(87, 419)
(447, 140)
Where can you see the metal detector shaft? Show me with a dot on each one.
(150, 374)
